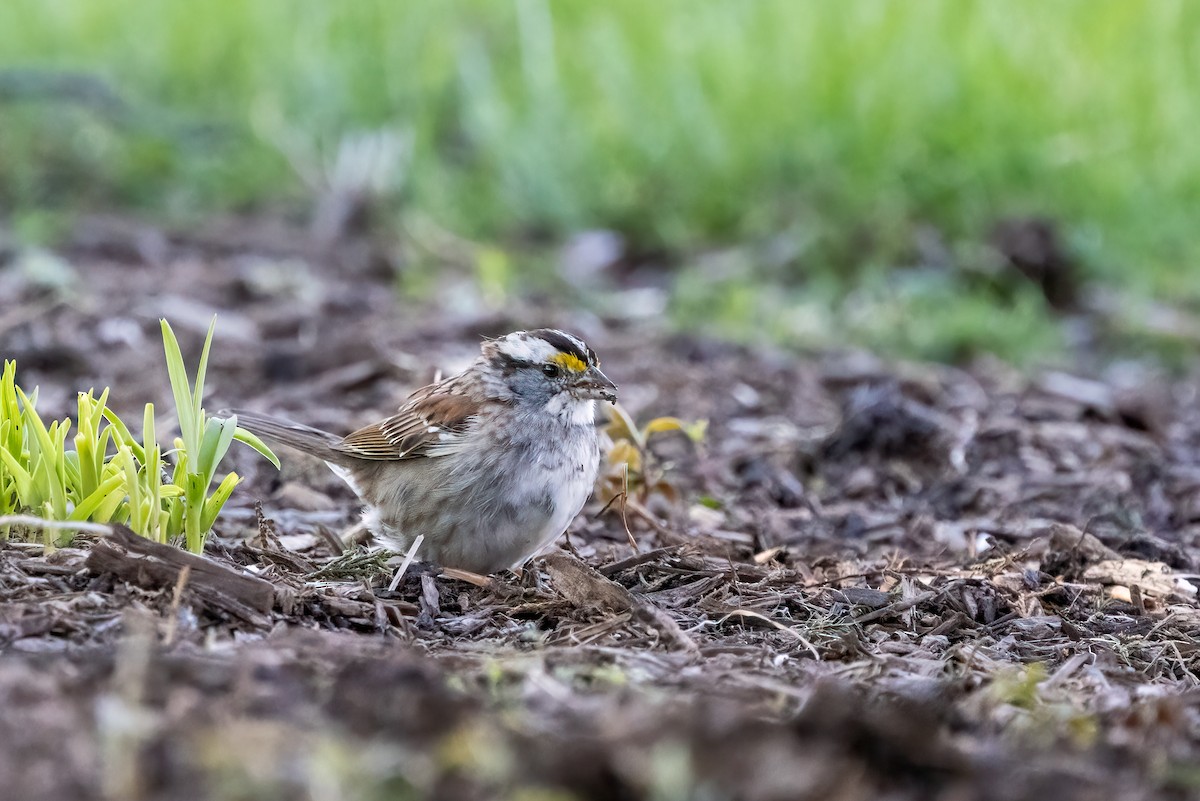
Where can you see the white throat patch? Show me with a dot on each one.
(572, 410)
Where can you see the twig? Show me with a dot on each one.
(753, 615)
(623, 495)
(899, 606)
(335, 543)
(648, 516)
(176, 601)
(666, 625)
(469, 577)
(624, 503)
(611, 570)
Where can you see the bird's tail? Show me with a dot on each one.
(307, 439)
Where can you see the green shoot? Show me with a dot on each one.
(110, 476)
(205, 441)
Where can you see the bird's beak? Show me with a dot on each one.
(595, 385)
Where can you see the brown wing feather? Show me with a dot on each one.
(427, 420)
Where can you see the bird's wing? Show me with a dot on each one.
(429, 424)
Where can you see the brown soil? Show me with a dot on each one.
(868, 581)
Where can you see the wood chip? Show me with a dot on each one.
(140, 561)
(585, 586)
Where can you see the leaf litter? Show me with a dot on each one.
(858, 580)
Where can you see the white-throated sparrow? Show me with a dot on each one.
(490, 465)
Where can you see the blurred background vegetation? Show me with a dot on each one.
(936, 179)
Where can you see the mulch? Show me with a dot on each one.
(867, 580)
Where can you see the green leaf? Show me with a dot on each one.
(87, 468)
(71, 475)
(180, 389)
(49, 471)
(32, 422)
(151, 474)
(179, 475)
(106, 436)
(21, 476)
(123, 437)
(98, 412)
(149, 439)
(212, 507)
(218, 436)
(10, 411)
(53, 489)
(194, 489)
(248, 438)
(198, 395)
(110, 509)
(85, 509)
(133, 489)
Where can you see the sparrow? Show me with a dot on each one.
(490, 465)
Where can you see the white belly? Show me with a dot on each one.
(483, 516)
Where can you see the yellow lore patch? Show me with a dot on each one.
(569, 361)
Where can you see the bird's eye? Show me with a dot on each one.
(550, 370)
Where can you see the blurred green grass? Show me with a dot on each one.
(828, 134)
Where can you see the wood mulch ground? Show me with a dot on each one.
(867, 580)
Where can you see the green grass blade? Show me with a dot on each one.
(98, 413)
(180, 389)
(198, 393)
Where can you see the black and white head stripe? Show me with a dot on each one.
(566, 343)
(538, 347)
